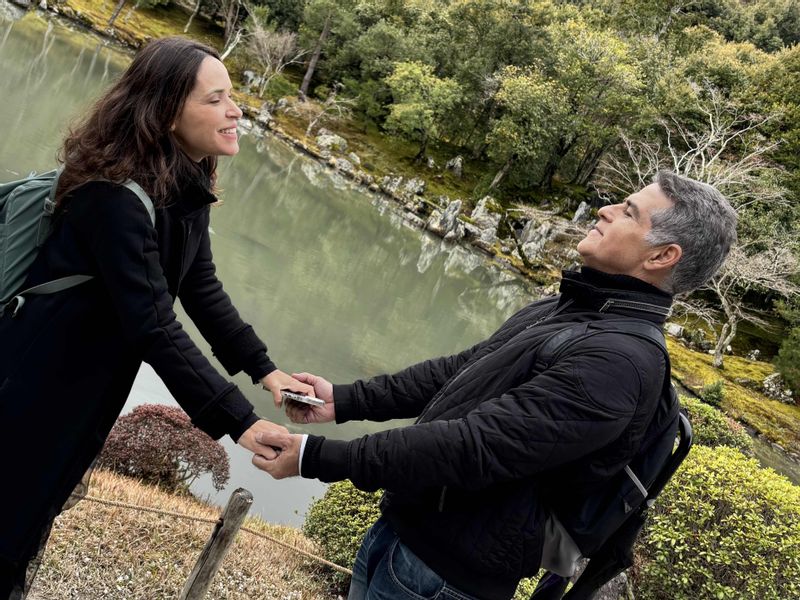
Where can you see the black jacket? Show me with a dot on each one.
(68, 360)
(498, 438)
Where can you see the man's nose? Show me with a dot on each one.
(606, 212)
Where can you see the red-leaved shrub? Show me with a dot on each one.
(159, 445)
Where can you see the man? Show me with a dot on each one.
(501, 439)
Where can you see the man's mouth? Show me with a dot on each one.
(229, 131)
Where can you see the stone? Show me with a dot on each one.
(582, 213)
(353, 158)
(674, 329)
(414, 187)
(446, 223)
(331, 142)
(455, 166)
(754, 354)
(391, 185)
(245, 125)
(264, 117)
(774, 387)
(431, 163)
(487, 215)
(533, 238)
(251, 79)
(344, 166)
(282, 104)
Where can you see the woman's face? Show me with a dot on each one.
(207, 124)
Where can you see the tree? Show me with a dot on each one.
(159, 445)
(420, 102)
(532, 115)
(334, 108)
(272, 50)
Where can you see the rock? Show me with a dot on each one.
(353, 158)
(251, 79)
(431, 163)
(374, 187)
(774, 387)
(455, 166)
(446, 223)
(43, 4)
(264, 117)
(414, 187)
(391, 185)
(582, 213)
(533, 238)
(486, 216)
(471, 231)
(754, 354)
(245, 125)
(674, 329)
(331, 142)
(345, 166)
(282, 104)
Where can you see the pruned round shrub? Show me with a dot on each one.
(159, 445)
(339, 520)
(713, 428)
(724, 528)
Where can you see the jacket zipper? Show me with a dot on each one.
(645, 307)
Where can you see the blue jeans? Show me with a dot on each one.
(386, 569)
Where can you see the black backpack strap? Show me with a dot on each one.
(555, 345)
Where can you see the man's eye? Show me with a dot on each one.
(215, 101)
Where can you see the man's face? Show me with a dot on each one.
(616, 244)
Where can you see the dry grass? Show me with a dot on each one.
(104, 552)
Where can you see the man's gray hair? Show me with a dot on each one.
(700, 221)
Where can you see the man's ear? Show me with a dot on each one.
(663, 257)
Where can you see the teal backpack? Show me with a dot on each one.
(26, 213)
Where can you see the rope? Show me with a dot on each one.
(169, 513)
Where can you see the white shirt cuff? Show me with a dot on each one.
(300, 458)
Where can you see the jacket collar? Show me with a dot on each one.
(192, 196)
(620, 294)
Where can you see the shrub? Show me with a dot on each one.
(712, 428)
(788, 361)
(339, 520)
(713, 393)
(724, 529)
(159, 445)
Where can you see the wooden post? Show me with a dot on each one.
(217, 545)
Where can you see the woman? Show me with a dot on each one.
(68, 360)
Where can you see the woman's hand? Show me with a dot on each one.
(278, 380)
(305, 413)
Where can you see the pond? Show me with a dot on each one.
(329, 275)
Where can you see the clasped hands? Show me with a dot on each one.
(275, 450)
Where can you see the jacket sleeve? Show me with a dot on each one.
(405, 394)
(400, 396)
(232, 340)
(122, 240)
(556, 417)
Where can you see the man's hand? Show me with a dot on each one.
(304, 413)
(249, 440)
(278, 380)
(285, 464)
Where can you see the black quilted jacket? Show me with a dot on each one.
(497, 438)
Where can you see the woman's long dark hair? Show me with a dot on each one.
(127, 133)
